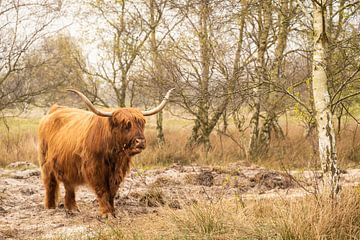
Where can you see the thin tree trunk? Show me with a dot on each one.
(205, 69)
(124, 83)
(159, 128)
(195, 136)
(264, 22)
(201, 128)
(123, 87)
(254, 127)
(236, 67)
(322, 104)
(271, 118)
(157, 71)
(225, 122)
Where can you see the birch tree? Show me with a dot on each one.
(264, 23)
(193, 65)
(273, 101)
(156, 65)
(322, 103)
(122, 35)
(343, 71)
(205, 58)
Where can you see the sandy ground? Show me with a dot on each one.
(22, 215)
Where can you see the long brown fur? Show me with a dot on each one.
(77, 147)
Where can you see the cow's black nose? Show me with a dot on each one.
(140, 142)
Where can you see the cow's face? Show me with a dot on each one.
(128, 130)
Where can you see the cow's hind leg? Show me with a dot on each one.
(51, 190)
(50, 182)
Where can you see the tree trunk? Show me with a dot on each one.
(205, 67)
(254, 127)
(264, 21)
(121, 100)
(195, 136)
(157, 71)
(225, 122)
(159, 128)
(200, 133)
(271, 116)
(322, 104)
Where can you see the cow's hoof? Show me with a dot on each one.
(105, 216)
(102, 217)
(77, 209)
(69, 213)
(70, 208)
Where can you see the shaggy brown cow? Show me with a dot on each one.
(78, 147)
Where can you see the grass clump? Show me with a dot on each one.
(206, 221)
(305, 218)
(311, 218)
(18, 141)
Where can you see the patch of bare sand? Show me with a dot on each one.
(22, 215)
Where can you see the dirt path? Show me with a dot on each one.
(22, 215)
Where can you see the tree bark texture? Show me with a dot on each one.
(272, 102)
(322, 104)
(264, 22)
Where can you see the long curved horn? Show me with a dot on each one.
(159, 107)
(90, 105)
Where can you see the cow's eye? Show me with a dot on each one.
(128, 126)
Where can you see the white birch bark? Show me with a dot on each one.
(264, 21)
(322, 104)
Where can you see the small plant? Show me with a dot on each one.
(204, 221)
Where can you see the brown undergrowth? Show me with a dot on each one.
(302, 218)
(295, 151)
(17, 140)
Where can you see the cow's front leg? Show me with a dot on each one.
(102, 192)
(97, 177)
(114, 186)
(105, 207)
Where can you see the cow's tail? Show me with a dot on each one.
(51, 184)
(42, 151)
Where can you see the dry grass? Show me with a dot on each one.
(294, 152)
(18, 143)
(296, 219)
(305, 218)
(310, 219)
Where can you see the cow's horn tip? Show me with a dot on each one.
(168, 93)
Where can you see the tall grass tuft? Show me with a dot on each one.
(18, 141)
(301, 218)
(309, 218)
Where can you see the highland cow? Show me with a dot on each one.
(78, 147)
